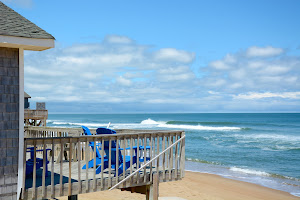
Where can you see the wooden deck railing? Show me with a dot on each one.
(39, 131)
(35, 114)
(66, 177)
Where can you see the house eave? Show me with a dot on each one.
(33, 44)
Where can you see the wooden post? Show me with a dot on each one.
(79, 166)
(70, 167)
(61, 168)
(164, 157)
(157, 152)
(131, 154)
(109, 163)
(124, 161)
(176, 158)
(152, 192)
(182, 156)
(150, 155)
(117, 161)
(87, 165)
(145, 154)
(94, 164)
(34, 171)
(102, 162)
(138, 158)
(52, 170)
(44, 171)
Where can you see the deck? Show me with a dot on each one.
(164, 158)
(35, 117)
(80, 186)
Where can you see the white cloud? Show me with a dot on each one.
(175, 55)
(124, 81)
(213, 92)
(255, 95)
(177, 73)
(120, 73)
(237, 73)
(118, 39)
(116, 70)
(219, 65)
(38, 98)
(263, 51)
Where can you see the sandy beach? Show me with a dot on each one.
(200, 186)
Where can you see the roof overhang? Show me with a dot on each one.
(33, 44)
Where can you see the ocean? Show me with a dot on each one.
(259, 148)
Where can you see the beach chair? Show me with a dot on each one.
(39, 161)
(95, 147)
(113, 157)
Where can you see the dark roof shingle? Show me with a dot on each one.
(26, 95)
(14, 24)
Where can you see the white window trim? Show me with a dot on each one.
(21, 121)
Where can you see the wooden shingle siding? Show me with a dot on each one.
(9, 122)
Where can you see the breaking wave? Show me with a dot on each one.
(249, 171)
(172, 125)
(148, 123)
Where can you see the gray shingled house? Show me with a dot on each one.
(16, 35)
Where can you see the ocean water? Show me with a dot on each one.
(257, 148)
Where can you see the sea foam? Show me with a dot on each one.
(249, 171)
(185, 127)
(149, 121)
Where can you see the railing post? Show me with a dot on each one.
(52, 170)
(157, 152)
(131, 153)
(138, 158)
(61, 168)
(145, 155)
(34, 172)
(102, 162)
(79, 165)
(109, 163)
(94, 164)
(150, 155)
(176, 158)
(44, 171)
(182, 154)
(70, 167)
(87, 165)
(117, 160)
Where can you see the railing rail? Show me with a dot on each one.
(38, 132)
(149, 162)
(35, 114)
(63, 160)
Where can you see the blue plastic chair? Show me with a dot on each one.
(113, 157)
(39, 161)
(94, 147)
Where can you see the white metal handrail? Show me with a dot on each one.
(147, 163)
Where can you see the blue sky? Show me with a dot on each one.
(165, 56)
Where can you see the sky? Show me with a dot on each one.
(165, 56)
